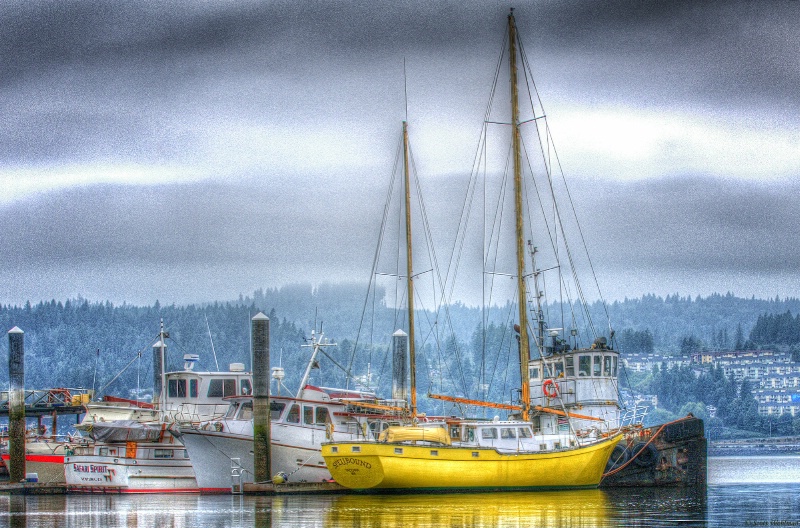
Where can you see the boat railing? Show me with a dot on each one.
(634, 415)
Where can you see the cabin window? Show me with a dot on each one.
(103, 451)
(475, 454)
(556, 445)
(185, 453)
(356, 449)
(232, 410)
(434, 452)
(542, 447)
(569, 363)
(398, 450)
(454, 432)
(534, 373)
(334, 449)
(162, 453)
(614, 368)
(246, 388)
(176, 388)
(219, 388)
(246, 412)
(597, 361)
(275, 410)
(489, 433)
(558, 367)
(584, 365)
(193, 388)
(322, 416)
(294, 414)
(470, 434)
(507, 433)
(308, 415)
(524, 432)
(606, 365)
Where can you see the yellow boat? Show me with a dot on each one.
(483, 461)
(523, 453)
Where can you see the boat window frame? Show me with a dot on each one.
(293, 416)
(322, 416)
(308, 414)
(489, 433)
(276, 410)
(569, 366)
(245, 411)
(607, 366)
(508, 433)
(194, 387)
(233, 408)
(584, 365)
(245, 387)
(597, 365)
(176, 388)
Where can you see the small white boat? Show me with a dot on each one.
(136, 453)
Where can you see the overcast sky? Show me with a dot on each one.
(193, 151)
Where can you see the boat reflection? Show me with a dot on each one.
(571, 509)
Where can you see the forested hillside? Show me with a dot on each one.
(78, 343)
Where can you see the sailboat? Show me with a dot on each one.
(479, 454)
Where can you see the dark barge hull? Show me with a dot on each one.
(671, 454)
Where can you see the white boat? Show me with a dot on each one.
(135, 453)
(222, 450)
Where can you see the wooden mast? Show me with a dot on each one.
(524, 351)
(409, 276)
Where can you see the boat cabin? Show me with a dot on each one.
(583, 381)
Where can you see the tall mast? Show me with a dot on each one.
(409, 276)
(524, 352)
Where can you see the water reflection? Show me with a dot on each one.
(569, 509)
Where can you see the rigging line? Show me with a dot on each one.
(569, 194)
(560, 227)
(376, 257)
(475, 163)
(135, 357)
(530, 81)
(437, 274)
(212, 343)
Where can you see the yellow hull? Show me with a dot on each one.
(407, 466)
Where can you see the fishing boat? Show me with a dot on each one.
(126, 446)
(221, 449)
(535, 448)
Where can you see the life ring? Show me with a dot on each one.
(329, 431)
(644, 454)
(619, 456)
(550, 388)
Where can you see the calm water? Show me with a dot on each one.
(742, 491)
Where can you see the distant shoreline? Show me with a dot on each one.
(755, 446)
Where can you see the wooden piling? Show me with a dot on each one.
(16, 405)
(261, 423)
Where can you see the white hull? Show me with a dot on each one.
(295, 451)
(144, 474)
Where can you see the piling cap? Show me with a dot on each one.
(16, 330)
(399, 333)
(260, 317)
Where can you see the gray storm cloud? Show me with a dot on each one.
(201, 147)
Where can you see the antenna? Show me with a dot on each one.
(212, 343)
